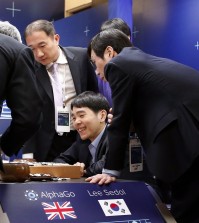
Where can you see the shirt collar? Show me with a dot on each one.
(98, 138)
(60, 60)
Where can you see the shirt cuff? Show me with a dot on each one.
(113, 173)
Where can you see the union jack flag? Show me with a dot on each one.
(5, 113)
(58, 210)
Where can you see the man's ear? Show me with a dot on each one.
(57, 38)
(109, 51)
(102, 115)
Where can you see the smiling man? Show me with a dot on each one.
(89, 116)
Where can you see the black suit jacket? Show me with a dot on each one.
(84, 79)
(79, 152)
(152, 93)
(18, 87)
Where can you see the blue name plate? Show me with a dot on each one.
(122, 202)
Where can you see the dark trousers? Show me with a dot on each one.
(61, 144)
(170, 145)
(185, 196)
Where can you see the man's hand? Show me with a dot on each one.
(101, 179)
(110, 116)
(82, 166)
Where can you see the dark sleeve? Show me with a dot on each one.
(19, 88)
(86, 71)
(118, 131)
(96, 168)
(70, 156)
(92, 84)
(1, 106)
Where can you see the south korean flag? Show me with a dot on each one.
(114, 207)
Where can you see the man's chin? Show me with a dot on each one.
(43, 62)
(83, 137)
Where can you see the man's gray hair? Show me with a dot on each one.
(10, 30)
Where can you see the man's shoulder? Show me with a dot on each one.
(13, 48)
(39, 66)
(75, 50)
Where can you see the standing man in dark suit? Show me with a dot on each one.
(75, 75)
(18, 87)
(161, 98)
(8, 29)
(89, 116)
(115, 23)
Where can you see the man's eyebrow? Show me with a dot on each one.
(79, 112)
(40, 43)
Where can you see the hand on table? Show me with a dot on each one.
(101, 179)
(82, 166)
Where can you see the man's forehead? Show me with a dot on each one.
(37, 38)
(80, 110)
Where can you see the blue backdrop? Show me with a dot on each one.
(161, 27)
(168, 29)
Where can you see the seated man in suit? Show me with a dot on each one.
(89, 115)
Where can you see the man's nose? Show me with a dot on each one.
(77, 122)
(39, 53)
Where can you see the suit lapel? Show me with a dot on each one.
(44, 80)
(74, 69)
(84, 153)
(101, 146)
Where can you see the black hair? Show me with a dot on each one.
(94, 101)
(110, 37)
(116, 23)
(40, 25)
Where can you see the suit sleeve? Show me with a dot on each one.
(83, 69)
(118, 131)
(92, 84)
(70, 156)
(96, 167)
(22, 97)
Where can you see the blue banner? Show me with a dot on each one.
(130, 202)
